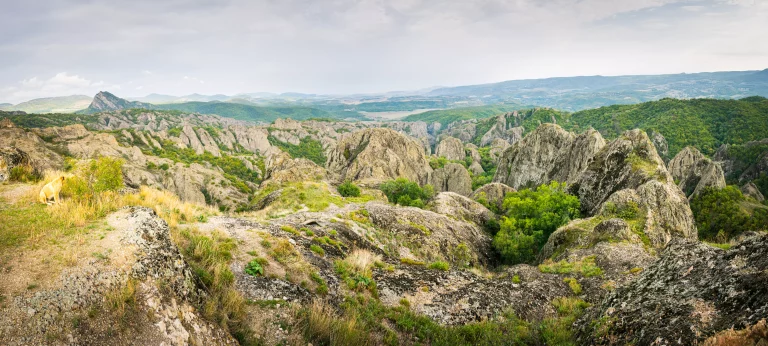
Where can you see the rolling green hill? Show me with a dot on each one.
(63, 104)
(703, 123)
(248, 112)
(446, 116)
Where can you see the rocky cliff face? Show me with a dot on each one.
(492, 194)
(694, 172)
(751, 190)
(548, 153)
(451, 148)
(371, 156)
(626, 162)
(506, 128)
(164, 295)
(690, 293)
(453, 177)
(105, 101)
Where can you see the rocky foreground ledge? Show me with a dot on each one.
(691, 293)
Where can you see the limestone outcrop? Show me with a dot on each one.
(751, 190)
(492, 195)
(548, 153)
(692, 292)
(451, 148)
(371, 156)
(461, 207)
(452, 177)
(694, 172)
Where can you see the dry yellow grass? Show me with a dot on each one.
(756, 334)
(362, 260)
(168, 206)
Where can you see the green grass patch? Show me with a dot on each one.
(439, 265)
(585, 267)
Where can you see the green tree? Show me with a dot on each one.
(531, 217)
(405, 192)
(721, 214)
(348, 189)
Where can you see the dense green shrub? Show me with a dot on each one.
(721, 214)
(407, 193)
(348, 189)
(308, 148)
(254, 268)
(531, 217)
(105, 174)
(24, 174)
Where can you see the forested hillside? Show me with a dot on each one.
(703, 123)
(446, 116)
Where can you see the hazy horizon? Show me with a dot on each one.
(136, 48)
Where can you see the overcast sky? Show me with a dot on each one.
(137, 47)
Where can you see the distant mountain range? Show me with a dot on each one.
(106, 101)
(578, 93)
(62, 104)
(563, 93)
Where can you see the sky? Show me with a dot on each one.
(136, 47)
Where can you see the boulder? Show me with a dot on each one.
(11, 157)
(492, 194)
(476, 168)
(692, 292)
(463, 208)
(694, 172)
(371, 156)
(434, 234)
(281, 168)
(453, 177)
(451, 148)
(751, 190)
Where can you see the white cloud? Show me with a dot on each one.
(347, 46)
(61, 84)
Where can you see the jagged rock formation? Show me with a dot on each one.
(451, 148)
(463, 208)
(739, 168)
(492, 194)
(476, 168)
(694, 172)
(506, 127)
(662, 147)
(40, 156)
(498, 146)
(106, 101)
(371, 156)
(632, 204)
(690, 293)
(751, 190)
(548, 153)
(452, 177)
(625, 163)
(281, 168)
(472, 152)
(164, 295)
(11, 157)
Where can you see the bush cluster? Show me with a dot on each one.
(531, 217)
(407, 193)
